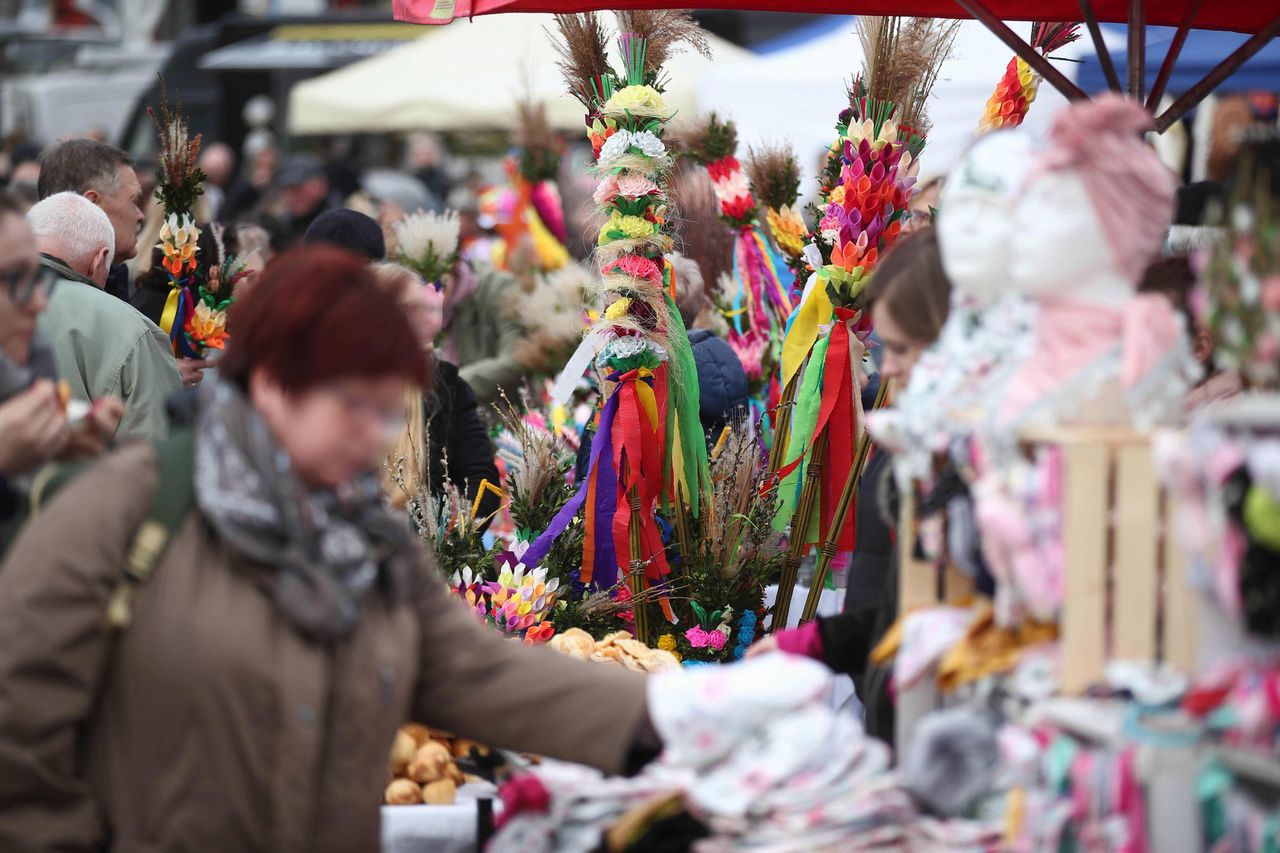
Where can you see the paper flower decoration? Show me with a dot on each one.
(469, 586)
(207, 327)
(428, 243)
(614, 147)
(178, 236)
(521, 598)
(636, 100)
(649, 145)
(624, 227)
(788, 230)
(635, 266)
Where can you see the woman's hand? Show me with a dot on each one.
(33, 428)
(763, 646)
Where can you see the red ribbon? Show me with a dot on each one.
(839, 415)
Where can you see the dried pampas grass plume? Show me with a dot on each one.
(584, 54)
(902, 57)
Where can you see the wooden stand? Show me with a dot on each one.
(1126, 595)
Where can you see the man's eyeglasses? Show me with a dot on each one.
(25, 284)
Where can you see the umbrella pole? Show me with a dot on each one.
(827, 551)
(799, 531)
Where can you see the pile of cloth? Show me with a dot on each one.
(744, 768)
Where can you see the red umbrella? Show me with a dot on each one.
(1245, 16)
(1261, 18)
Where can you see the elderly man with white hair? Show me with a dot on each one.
(104, 348)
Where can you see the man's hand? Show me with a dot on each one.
(33, 428)
(192, 370)
(90, 436)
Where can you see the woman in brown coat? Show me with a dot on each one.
(286, 631)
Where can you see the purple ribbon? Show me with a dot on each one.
(537, 552)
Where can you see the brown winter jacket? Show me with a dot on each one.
(210, 725)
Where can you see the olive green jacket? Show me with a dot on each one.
(106, 348)
(483, 335)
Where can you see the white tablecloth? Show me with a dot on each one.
(435, 829)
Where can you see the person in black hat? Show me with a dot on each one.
(350, 230)
(306, 191)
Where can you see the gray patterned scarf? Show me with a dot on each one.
(329, 548)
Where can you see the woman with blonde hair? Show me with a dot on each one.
(444, 436)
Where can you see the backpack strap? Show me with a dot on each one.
(169, 505)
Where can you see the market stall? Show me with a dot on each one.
(1057, 659)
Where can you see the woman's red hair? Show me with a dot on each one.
(316, 315)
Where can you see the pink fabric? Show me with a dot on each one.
(1151, 330)
(804, 641)
(1069, 337)
(1131, 190)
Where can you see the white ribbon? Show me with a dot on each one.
(567, 381)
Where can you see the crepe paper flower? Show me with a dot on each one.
(716, 640)
(428, 243)
(635, 186)
(614, 147)
(521, 598)
(607, 191)
(740, 651)
(697, 637)
(788, 230)
(617, 309)
(469, 587)
(207, 327)
(637, 267)
(648, 144)
(178, 238)
(539, 634)
(667, 643)
(637, 100)
(622, 227)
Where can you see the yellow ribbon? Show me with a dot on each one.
(170, 314)
(645, 395)
(814, 311)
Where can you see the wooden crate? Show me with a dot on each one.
(1126, 594)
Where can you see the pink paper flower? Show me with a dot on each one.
(607, 191)
(635, 266)
(633, 185)
(698, 638)
(716, 640)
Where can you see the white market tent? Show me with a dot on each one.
(469, 76)
(795, 93)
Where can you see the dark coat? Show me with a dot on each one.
(722, 382)
(871, 601)
(458, 442)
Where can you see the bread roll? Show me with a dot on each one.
(430, 763)
(418, 732)
(403, 792)
(403, 751)
(441, 793)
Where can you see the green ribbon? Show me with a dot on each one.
(803, 421)
(683, 408)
